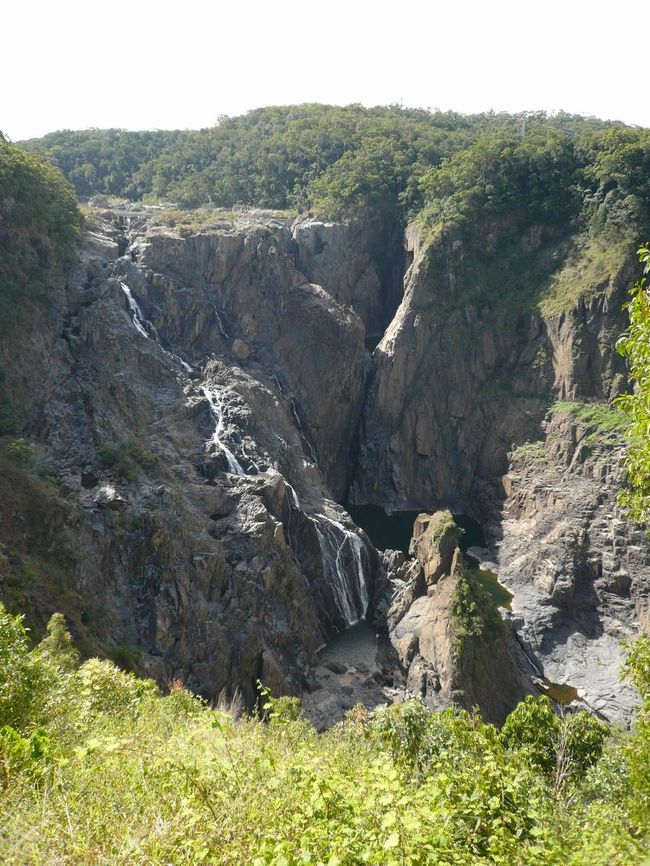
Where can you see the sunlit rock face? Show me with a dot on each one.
(206, 397)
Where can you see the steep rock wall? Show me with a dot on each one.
(448, 635)
(185, 458)
(202, 396)
(578, 570)
(461, 375)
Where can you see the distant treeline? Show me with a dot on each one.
(344, 161)
(472, 177)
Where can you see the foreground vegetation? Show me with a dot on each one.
(97, 766)
(635, 407)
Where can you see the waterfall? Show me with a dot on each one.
(296, 417)
(350, 590)
(349, 585)
(305, 439)
(216, 410)
(136, 314)
(252, 462)
(146, 328)
(220, 324)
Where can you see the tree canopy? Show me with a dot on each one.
(39, 223)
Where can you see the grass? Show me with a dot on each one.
(604, 424)
(99, 767)
(127, 460)
(597, 414)
(535, 450)
(591, 265)
(197, 219)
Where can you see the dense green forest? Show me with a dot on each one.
(469, 176)
(97, 766)
(39, 224)
(336, 160)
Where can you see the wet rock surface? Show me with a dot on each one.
(209, 543)
(357, 667)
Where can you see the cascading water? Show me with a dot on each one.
(350, 590)
(337, 543)
(296, 417)
(146, 328)
(136, 314)
(220, 324)
(301, 430)
(216, 410)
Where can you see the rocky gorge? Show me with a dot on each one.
(207, 400)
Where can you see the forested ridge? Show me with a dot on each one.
(100, 766)
(39, 224)
(343, 160)
(464, 174)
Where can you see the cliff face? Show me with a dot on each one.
(578, 570)
(458, 384)
(447, 633)
(462, 373)
(201, 397)
(191, 398)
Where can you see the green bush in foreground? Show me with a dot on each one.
(96, 766)
(634, 345)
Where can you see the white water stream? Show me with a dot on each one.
(334, 539)
(146, 328)
(350, 591)
(216, 409)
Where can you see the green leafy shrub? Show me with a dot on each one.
(112, 771)
(23, 756)
(635, 407)
(637, 750)
(562, 747)
(20, 452)
(20, 672)
(127, 460)
(56, 648)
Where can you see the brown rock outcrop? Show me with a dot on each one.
(448, 634)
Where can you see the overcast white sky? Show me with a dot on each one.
(142, 64)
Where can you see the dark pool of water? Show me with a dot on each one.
(386, 531)
(393, 531)
(489, 580)
(473, 535)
